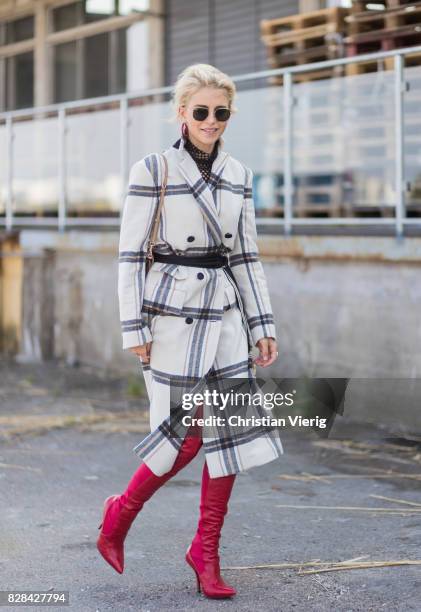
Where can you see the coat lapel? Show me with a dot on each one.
(200, 189)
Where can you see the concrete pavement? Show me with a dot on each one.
(53, 482)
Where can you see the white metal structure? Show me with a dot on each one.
(54, 133)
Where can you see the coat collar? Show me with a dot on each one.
(203, 192)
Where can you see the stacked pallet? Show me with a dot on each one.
(395, 26)
(318, 152)
(412, 131)
(305, 38)
(344, 139)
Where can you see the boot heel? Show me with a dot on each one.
(107, 504)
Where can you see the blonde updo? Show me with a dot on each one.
(196, 76)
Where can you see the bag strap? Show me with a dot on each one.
(154, 231)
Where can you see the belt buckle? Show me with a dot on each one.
(223, 250)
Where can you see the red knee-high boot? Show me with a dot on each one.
(121, 510)
(202, 554)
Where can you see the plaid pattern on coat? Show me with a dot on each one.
(203, 322)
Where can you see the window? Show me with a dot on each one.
(86, 65)
(67, 16)
(19, 78)
(87, 11)
(17, 30)
(113, 7)
(90, 67)
(97, 59)
(17, 71)
(65, 72)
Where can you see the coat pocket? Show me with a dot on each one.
(230, 297)
(163, 293)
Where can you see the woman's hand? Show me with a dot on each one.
(268, 349)
(142, 351)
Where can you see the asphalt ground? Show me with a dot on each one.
(66, 439)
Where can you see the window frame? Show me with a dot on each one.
(45, 46)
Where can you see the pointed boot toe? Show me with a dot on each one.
(111, 546)
(113, 555)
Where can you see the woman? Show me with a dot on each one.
(193, 317)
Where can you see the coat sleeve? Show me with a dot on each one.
(248, 270)
(135, 227)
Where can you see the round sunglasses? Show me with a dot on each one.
(221, 114)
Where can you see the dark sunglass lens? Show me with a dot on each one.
(222, 114)
(200, 114)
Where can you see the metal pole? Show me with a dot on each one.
(124, 148)
(399, 144)
(9, 189)
(62, 169)
(288, 170)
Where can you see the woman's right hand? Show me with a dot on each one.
(142, 351)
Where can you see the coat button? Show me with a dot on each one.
(200, 275)
(228, 235)
(190, 238)
(189, 320)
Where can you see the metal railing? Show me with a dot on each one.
(288, 221)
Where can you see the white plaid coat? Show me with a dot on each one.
(202, 322)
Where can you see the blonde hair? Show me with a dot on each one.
(196, 76)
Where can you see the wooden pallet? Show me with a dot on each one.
(318, 200)
(313, 75)
(397, 3)
(371, 31)
(305, 38)
(283, 57)
(404, 16)
(412, 60)
(383, 40)
(370, 66)
(303, 26)
(365, 21)
(360, 6)
(338, 32)
(396, 28)
(369, 21)
(387, 63)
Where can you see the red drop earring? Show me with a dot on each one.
(185, 130)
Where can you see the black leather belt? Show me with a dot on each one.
(213, 260)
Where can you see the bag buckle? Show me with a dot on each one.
(149, 254)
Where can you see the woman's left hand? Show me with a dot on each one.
(268, 349)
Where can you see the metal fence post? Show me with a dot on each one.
(288, 170)
(9, 188)
(124, 148)
(62, 169)
(399, 145)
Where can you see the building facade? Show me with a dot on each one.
(61, 50)
(225, 34)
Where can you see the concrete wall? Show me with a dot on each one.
(344, 307)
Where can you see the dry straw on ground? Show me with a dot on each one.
(327, 479)
(100, 421)
(318, 566)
